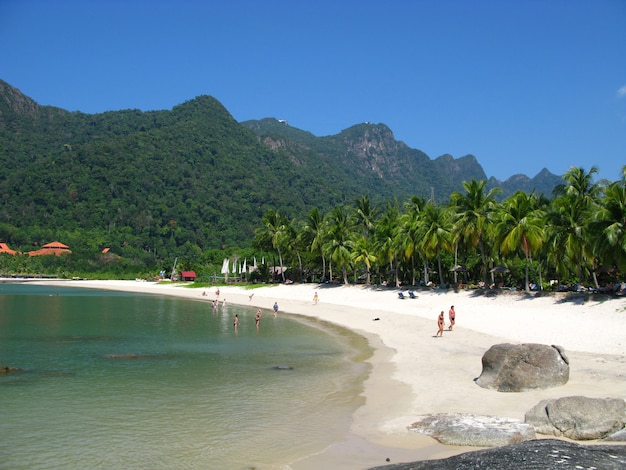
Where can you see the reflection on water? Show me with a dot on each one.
(115, 380)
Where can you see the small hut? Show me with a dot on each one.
(188, 276)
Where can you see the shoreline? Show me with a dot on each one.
(413, 373)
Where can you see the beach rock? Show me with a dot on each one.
(523, 367)
(578, 418)
(619, 436)
(472, 430)
(282, 367)
(8, 369)
(545, 454)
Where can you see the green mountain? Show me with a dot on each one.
(193, 176)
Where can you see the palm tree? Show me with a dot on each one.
(386, 241)
(569, 219)
(339, 243)
(294, 234)
(437, 233)
(520, 226)
(272, 234)
(365, 215)
(362, 252)
(609, 226)
(475, 210)
(409, 231)
(316, 227)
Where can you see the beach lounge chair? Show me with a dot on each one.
(412, 294)
(401, 295)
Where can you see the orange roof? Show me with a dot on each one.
(4, 248)
(56, 246)
(52, 248)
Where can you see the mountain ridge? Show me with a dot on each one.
(192, 175)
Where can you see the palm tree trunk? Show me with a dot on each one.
(280, 260)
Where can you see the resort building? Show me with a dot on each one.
(188, 276)
(4, 248)
(52, 248)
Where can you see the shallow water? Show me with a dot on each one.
(117, 380)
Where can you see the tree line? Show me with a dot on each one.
(576, 237)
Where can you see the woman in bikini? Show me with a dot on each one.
(440, 324)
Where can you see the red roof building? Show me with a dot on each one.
(188, 275)
(4, 248)
(52, 248)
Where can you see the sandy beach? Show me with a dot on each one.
(414, 373)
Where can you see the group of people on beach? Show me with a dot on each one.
(441, 323)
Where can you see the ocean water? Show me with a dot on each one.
(116, 380)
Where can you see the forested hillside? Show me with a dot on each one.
(162, 183)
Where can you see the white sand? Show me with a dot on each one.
(415, 373)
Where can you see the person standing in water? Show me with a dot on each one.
(275, 308)
(257, 318)
(440, 323)
(236, 321)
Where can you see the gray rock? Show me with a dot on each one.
(523, 367)
(578, 418)
(472, 430)
(619, 436)
(544, 454)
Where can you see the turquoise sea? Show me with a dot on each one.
(115, 380)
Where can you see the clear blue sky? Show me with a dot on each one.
(522, 85)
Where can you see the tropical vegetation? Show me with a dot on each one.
(526, 240)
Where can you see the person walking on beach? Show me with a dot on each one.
(440, 323)
(315, 298)
(236, 321)
(257, 318)
(451, 316)
(275, 309)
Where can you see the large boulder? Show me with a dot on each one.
(545, 454)
(578, 418)
(523, 367)
(471, 430)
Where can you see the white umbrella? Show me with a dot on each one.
(225, 266)
(244, 264)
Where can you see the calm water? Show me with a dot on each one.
(115, 380)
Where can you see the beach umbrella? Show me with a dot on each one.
(225, 266)
(234, 267)
(254, 265)
(244, 265)
(500, 269)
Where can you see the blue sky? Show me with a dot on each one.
(522, 85)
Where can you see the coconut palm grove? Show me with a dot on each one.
(574, 241)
